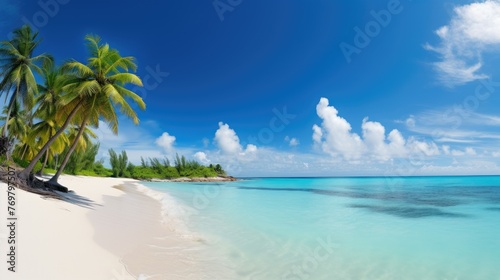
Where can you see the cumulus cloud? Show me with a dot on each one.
(336, 138)
(293, 142)
(201, 157)
(229, 143)
(472, 31)
(166, 142)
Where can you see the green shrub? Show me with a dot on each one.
(170, 172)
(145, 173)
(101, 171)
(25, 163)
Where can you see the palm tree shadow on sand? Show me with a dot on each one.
(79, 200)
(72, 197)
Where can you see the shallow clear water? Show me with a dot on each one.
(347, 228)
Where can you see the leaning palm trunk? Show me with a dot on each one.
(6, 143)
(46, 158)
(40, 173)
(24, 151)
(7, 118)
(26, 172)
(54, 178)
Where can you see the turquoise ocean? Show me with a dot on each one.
(436, 228)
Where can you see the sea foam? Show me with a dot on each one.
(175, 214)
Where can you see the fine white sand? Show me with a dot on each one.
(55, 238)
(102, 232)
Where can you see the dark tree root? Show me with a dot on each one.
(56, 186)
(32, 184)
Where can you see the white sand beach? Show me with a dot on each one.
(101, 232)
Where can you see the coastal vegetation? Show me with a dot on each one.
(156, 168)
(51, 110)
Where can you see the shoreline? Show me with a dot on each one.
(157, 248)
(54, 237)
(196, 179)
(106, 228)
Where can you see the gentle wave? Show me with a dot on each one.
(175, 214)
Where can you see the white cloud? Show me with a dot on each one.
(336, 138)
(201, 157)
(293, 142)
(250, 149)
(472, 31)
(166, 142)
(419, 147)
(454, 124)
(334, 135)
(229, 143)
(446, 149)
(470, 151)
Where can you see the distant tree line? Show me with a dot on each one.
(161, 168)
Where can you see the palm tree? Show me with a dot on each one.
(41, 132)
(81, 143)
(17, 119)
(18, 64)
(50, 92)
(101, 88)
(66, 112)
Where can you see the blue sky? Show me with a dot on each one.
(306, 88)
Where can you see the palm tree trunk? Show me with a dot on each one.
(54, 178)
(5, 139)
(40, 173)
(26, 172)
(24, 150)
(7, 118)
(46, 157)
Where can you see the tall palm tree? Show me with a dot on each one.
(41, 132)
(49, 94)
(101, 88)
(17, 69)
(66, 113)
(16, 118)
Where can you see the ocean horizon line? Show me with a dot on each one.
(361, 176)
